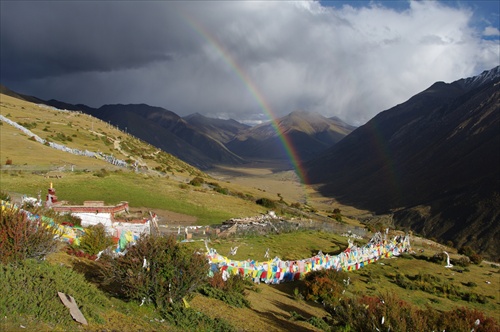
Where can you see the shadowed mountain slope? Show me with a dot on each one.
(6, 91)
(169, 132)
(219, 129)
(308, 133)
(433, 160)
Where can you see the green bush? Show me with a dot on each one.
(222, 190)
(470, 284)
(319, 323)
(31, 287)
(402, 281)
(314, 321)
(436, 286)
(70, 219)
(231, 298)
(471, 253)
(4, 196)
(231, 291)
(156, 269)
(197, 181)
(101, 173)
(462, 261)
(22, 238)
(95, 240)
(438, 258)
(189, 319)
(265, 202)
(28, 125)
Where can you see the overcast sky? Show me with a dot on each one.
(244, 59)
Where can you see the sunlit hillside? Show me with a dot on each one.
(151, 179)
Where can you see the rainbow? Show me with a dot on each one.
(254, 91)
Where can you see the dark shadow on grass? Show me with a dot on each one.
(278, 321)
(289, 287)
(291, 308)
(92, 272)
(90, 269)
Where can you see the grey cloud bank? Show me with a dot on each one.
(223, 59)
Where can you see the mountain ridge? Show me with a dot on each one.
(308, 133)
(436, 152)
(205, 142)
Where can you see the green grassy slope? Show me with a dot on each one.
(160, 182)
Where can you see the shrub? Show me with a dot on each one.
(434, 285)
(462, 261)
(4, 196)
(101, 173)
(471, 253)
(402, 281)
(319, 323)
(222, 190)
(325, 286)
(231, 291)
(365, 314)
(463, 319)
(265, 202)
(438, 258)
(197, 181)
(68, 218)
(192, 320)
(231, 298)
(28, 125)
(476, 258)
(157, 269)
(95, 240)
(21, 237)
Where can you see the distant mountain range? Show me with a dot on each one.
(434, 161)
(308, 133)
(204, 142)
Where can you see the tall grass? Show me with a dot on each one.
(30, 288)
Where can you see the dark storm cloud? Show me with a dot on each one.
(41, 39)
(240, 59)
